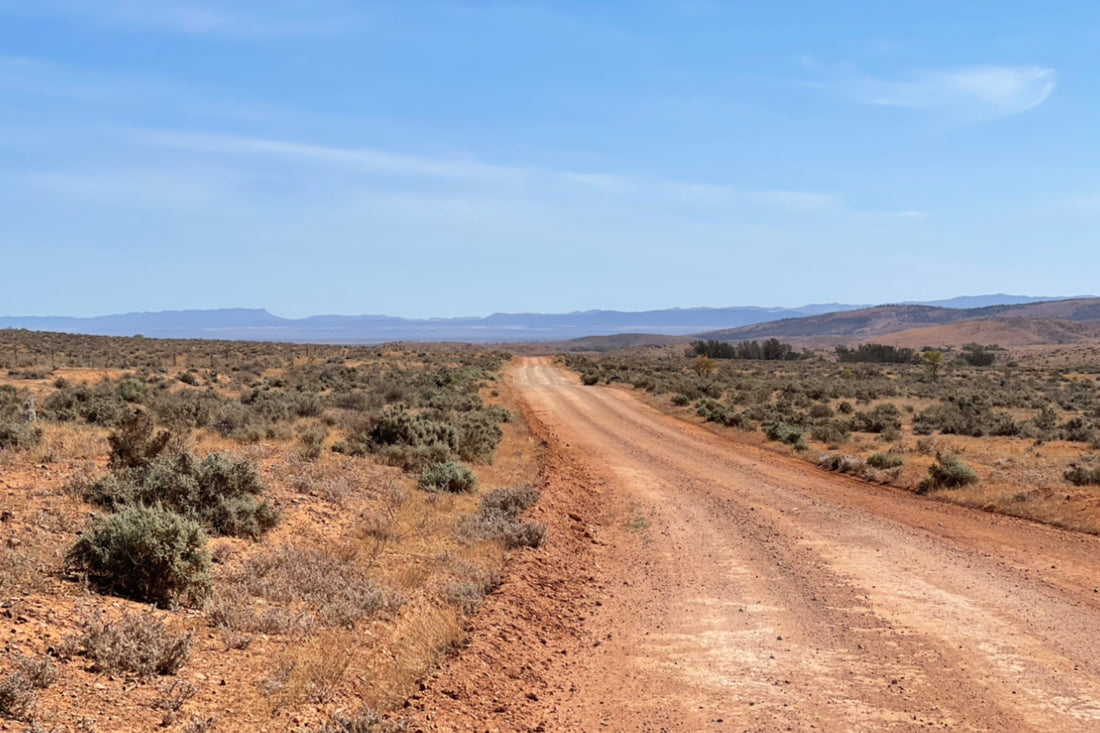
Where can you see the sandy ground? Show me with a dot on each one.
(692, 584)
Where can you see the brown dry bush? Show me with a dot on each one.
(336, 589)
(135, 643)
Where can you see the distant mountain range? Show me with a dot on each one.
(260, 325)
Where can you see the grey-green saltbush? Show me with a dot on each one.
(147, 553)
(449, 476)
(220, 491)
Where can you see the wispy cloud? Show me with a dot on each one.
(509, 180)
(968, 94)
(238, 18)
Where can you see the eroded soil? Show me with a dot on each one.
(691, 584)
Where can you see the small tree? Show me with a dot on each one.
(932, 361)
(704, 365)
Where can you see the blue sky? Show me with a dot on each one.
(460, 158)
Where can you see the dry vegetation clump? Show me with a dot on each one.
(499, 517)
(331, 584)
(20, 684)
(875, 411)
(267, 499)
(134, 643)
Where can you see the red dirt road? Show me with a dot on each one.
(701, 585)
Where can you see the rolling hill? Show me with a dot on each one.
(1028, 322)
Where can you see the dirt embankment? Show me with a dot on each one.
(691, 584)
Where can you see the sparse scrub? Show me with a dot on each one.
(134, 444)
(17, 696)
(335, 589)
(364, 720)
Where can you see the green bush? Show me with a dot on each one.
(220, 491)
(147, 553)
(449, 476)
(479, 435)
(18, 434)
(948, 472)
(882, 418)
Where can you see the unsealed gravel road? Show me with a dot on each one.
(761, 594)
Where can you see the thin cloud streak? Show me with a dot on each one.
(974, 93)
(473, 171)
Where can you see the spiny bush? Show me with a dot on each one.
(399, 426)
(311, 441)
(18, 687)
(136, 643)
(449, 476)
(19, 435)
(41, 672)
(147, 553)
(220, 491)
(479, 433)
(133, 444)
(948, 472)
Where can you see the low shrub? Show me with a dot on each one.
(498, 517)
(364, 720)
(147, 553)
(1079, 475)
(479, 433)
(311, 441)
(948, 472)
(18, 434)
(880, 419)
(449, 476)
(136, 643)
(220, 491)
(17, 696)
(885, 461)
